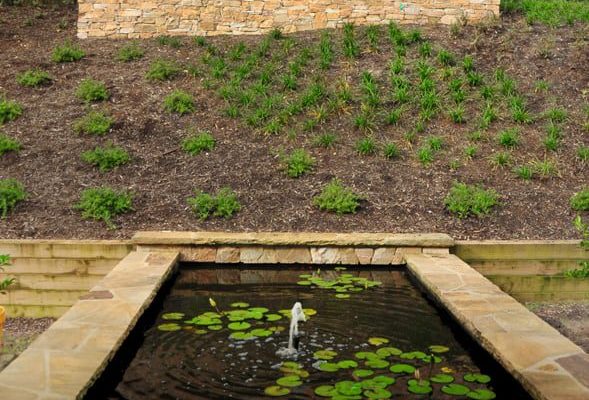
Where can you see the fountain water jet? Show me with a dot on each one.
(296, 314)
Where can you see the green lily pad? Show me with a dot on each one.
(349, 388)
(309, 312)
(479, 378)
(342, 296)
(324, 354)
(240, 304)
(171, 327)
(273, 317)
(442, 378)
(402, 369)
(419, 387)
(240, 335)
(276, 391)
(305, 276)
(261, 310)
(377, 393)
(238, 326)
(290, 381)
(455, 389)
(261, 332)
(366, 355)
(325, 391)
(286, 313)
(304, 283)
(481, 394)
(276, 328)
(328, 367)
(344, 364)
(291, 364)
(383, 379)
(435, 348)
(362, 373)
(388, 351)
(378, 341)
(204, 321)
(210, 314)
(432, 358)
(200, 331)
(173, 316)
(413, 355)
(215, 327)
(376, 363)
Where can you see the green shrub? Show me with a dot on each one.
(225, 204)
(425, 155)
(94, 123)
(508, 138)
(6, 282)
(556, 114)
(524, 172)
(366, 146)
(9, 110)
(337, 198)
(298, 163)
(179, 102)
(470, 151)
(11, 192)
(464, 200)
(106, 158)
(583, 153)
(8, 144)
(391, 151)
(325, 140)
(103, 204)
(33, 78)
(435, 143)
(130, 52)
(67, 52)
(446, 58)
(580, 200)
(545, 168)
(172, 41)
(161, 70)
(91, 90)
(501, 159)
(196, 144)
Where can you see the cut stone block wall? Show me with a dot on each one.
(149, 18)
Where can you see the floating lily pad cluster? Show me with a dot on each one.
(244, 322)
(343, 285)
(293, 377)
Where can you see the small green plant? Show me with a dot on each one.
(545, 168)
(425, 155)
(179, 102)
(325, 140)
(276, 34)
(583, 154)
(425, 50)
(446, 58)
(67, 52)
(200, 41)
(578, 273)
(435, 143)
(106, 158)
(474, 78)
(470, 151)
(298, 163)
(552, 139)
(454, 164)
(583, 229)
(94, 123)
(130, 52)
(91, 90)
(198, 143)
(351, 48)
(103, 204)
(518, 110)
(393, 117)
(580, 200)
(457, 114)
(556, 114)
(11, 192)
(524, 172)
(541, 86)
(508, 138)
(8, 144)
(489, 115)
(391, 151)
(172, 41)
(366, 146)
(6, 282)
(487, 93)
(475, 136)
(9, 110)
(464, 200)
(337, 198)
(501, 159)
(468, 63)
(373, 34)
(224, 204)
(364, 121)
(33, 78)
(161, 70)
(326, 51)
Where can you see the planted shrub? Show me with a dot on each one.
(198, 143)
(325, 140)
(161, 70)
(172, 41)
(9, 110)
(179, 102)
(435, 143)
(67, 52)
(457, 114)
(33, 78)
(524, 172)
(501, 159)
(130, 52)
(106, 158)
(556, 114)
(366, 146)
(391, 151)
(11, 192)
(583, 153)
(580, 200)
(94, 123)
(91, 90)
(103, 204)
(224, 204)
(425, 155)
(337, 198)
(545, 168)
(470, 151)
(394, 116)
(298, 163)
(8, 144)
(446, 58)
(464, 200)
(508, 138)
(351, 48)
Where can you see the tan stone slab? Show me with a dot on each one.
(386, 256)
(333, 255)
(227, 255)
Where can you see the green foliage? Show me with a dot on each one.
(556, 114)
(508, 138)
(91, 90)
(518, 110)
(425, 50)
(161, 70)
(366, 146)
(583, 153)
(351, 48)
(298, 163)
(9, 110)
(276, 34)
(130, 52)
(524, 172)
(549, 12)
(580, 200)
(578, 273)
(425, 155)
(501, 159)
(468, 63)
(326, 51)
(103, 204)
(552, 139)
(373, 34)
(446, 58)
(33, 78)
(106, 158)
(394, 116)
(94, 123)
(464, 200)
(457, 114)
(200, 41)
(224, 204)
(179, 102)
(545, 168)
(11, 192)
(6, 282)
(337, 198)
(325, 140)
(470, 151)
(8, 144)
(583, 229)
(435, 143)
(171, 41)
(391, 151)
(67, 52)
(198, 143)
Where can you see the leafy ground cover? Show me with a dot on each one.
(397, 114)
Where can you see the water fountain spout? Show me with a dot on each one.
(296, 315)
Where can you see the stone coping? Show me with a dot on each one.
(65, 360)
(364, 239)
(548, 365)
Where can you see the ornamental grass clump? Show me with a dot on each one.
(11, 192)
(161, 70)
(9, 110)
(224, 204)
(179, 102)
(67, 52)
(33, 78)
(106, 158)
(298, 163)
(198, 143)
(337, 198)
(91, 90)
(94, 123)
(580, 200)
(8, 144)
(464, 200)
(103, 204)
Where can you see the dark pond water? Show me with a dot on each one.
(199, 360)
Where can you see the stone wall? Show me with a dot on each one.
(149, 18)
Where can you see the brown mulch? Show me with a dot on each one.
(570, 318)
(401, 196)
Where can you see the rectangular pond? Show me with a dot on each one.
(218, 333)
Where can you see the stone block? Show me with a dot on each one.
(227, 255)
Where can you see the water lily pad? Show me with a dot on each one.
(419, 387)
(413, 355)
(378, 341)
(309, 312)
(479, 378)
(383, 379)
(261, 310)
(402, 369)
(366, 355)
(432, 358)
(481, 394)
(171, 327)
(215, 327)
(261, 332)
(344, 364)
(344, 397)
(328, 367)
(376, 363)
(200, 331)
(305, 276)
(362, 373)
(273, 317)
(204, 321)
(240, 304)
(455, 389)
(240, 335)
(388, 351)
(324, 354)
(325, 391)
(276, 328)
(435, 348)
(276, 391)
(210, 314)
(377, 393)
(286, 313)
(442, 378)
(304, 283)
(349, 388)
(173, 316)
(238, 326)
(291, 364)
(342, 296)
(290, 381)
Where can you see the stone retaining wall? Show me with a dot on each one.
(149, 18)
